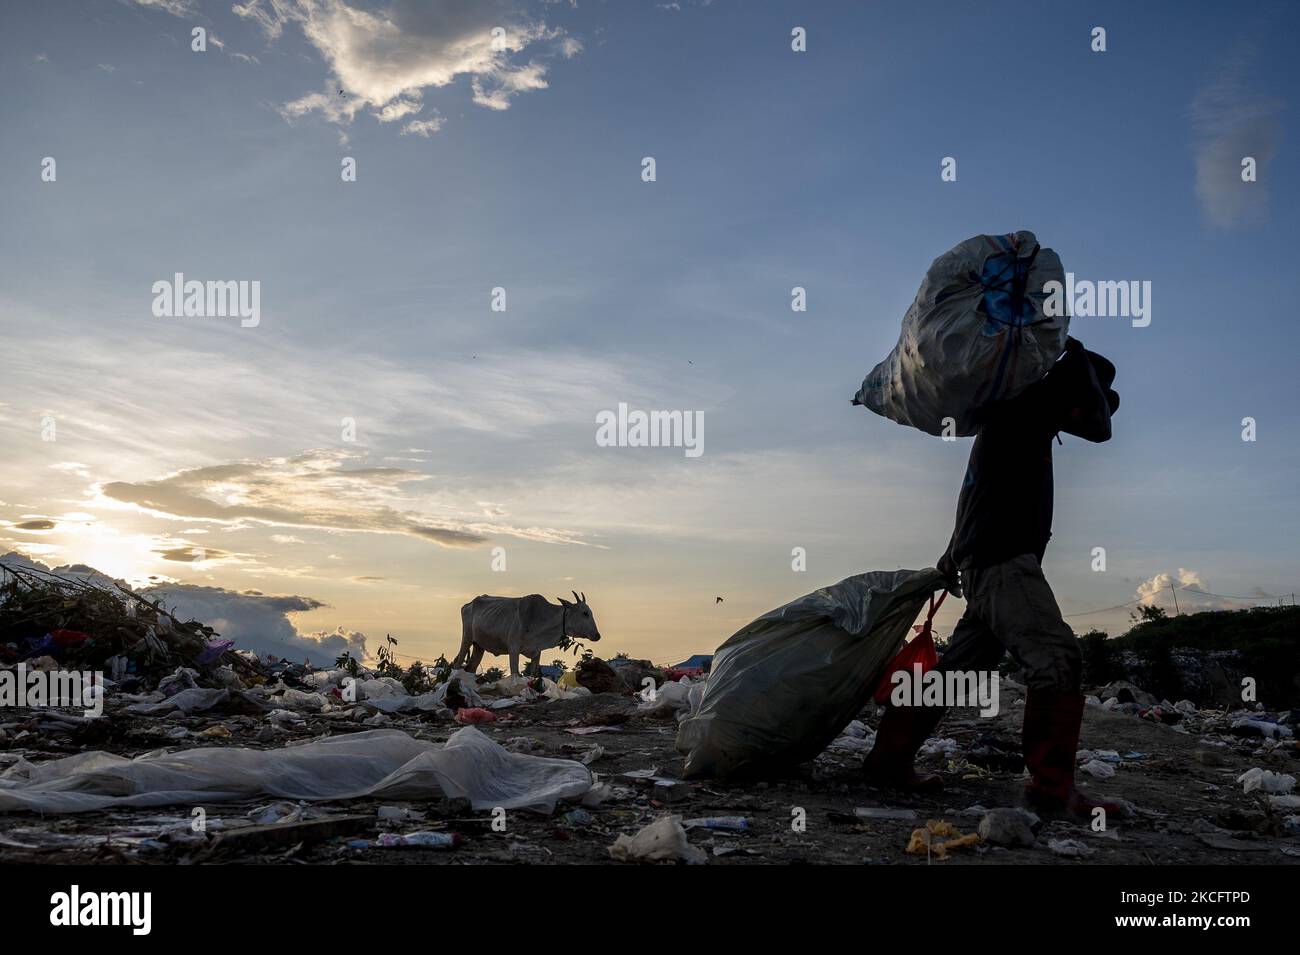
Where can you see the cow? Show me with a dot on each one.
(520, 625)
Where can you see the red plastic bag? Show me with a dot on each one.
(921, 650)
(68, 638)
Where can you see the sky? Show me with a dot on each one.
(381, 444)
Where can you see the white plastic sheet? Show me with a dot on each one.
(386, 763)
(785, 685)
(965, 343)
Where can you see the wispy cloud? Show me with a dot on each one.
(177, 8)
(422, 127)
(317, 489)
(1232, 120)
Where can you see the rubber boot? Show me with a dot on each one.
(902, 731)
(1051, 739)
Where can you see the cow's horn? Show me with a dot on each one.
(575, 596)
(584, 596)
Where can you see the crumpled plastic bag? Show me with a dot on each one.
(1266, 781)
(380, 688)
(193, 700)
(664, 840)
(975, 334)
(671, 698)
(784, 685)
(386, 763)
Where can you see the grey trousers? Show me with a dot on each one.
(1010, 608)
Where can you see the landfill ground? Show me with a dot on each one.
(1188, 806)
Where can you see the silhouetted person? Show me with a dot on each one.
(1004, 520)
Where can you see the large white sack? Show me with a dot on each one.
(387, 763)
(785, 685)
(964, 343)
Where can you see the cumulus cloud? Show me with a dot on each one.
(382, 60)
(75, 571)
(1191, 589)
(1232, 121)
(316, 489)
(258, 622)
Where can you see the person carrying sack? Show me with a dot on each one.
(1004, 518)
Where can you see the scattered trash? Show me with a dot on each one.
(397, 814)
(1069, 848)
(1230, 843)
(663, 840)
(945, 748)
(1010, 827)
(1267, 781)
(922, 841)
(1098, 769)
(1248, 727)
(475, 714)
(418, 840)
(671, 698)
(290, 833)
(1123, 692)
(734, 850)
(997, 753)
(278, 812)
(883, 812)
(724, 823)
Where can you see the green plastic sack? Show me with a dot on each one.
(785, 685)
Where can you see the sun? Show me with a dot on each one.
(129, 557)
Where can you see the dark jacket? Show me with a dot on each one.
(1005, 506)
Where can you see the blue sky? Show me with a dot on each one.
(774, 169)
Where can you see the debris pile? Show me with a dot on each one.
(48, 620)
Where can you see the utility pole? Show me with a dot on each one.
(1175, 593)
